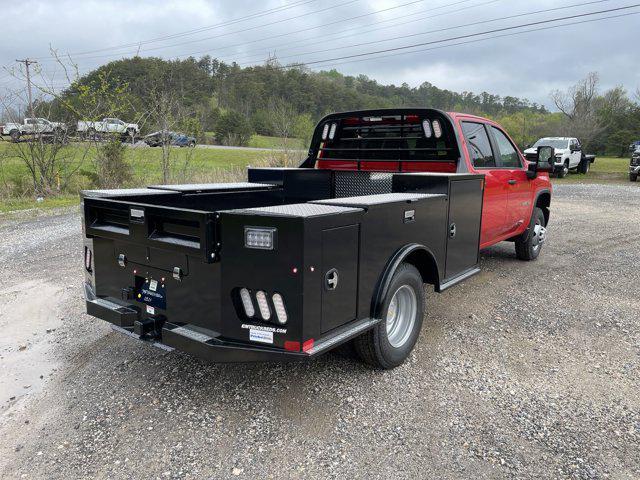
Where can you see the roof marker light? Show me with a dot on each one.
(426, 126)
(437, 129)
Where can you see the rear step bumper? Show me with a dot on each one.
(205, 344)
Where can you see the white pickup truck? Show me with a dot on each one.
(568, 152)
(108, 125)
(32, 126)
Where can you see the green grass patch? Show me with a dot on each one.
(264, 141)
(603, 170)
(15, 204)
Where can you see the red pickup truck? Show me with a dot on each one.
(515, 201)
(297, 261)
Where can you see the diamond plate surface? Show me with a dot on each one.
(353, 184)
(365, 200)
(296, 210)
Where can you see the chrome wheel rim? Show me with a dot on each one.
(539, 235)
(401, 316)
(565, 171)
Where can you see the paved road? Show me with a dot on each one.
(528, 370)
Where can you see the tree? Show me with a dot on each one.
(233, 129)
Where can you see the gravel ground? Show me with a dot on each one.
(528, 370)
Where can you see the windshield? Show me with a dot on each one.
(551, 142)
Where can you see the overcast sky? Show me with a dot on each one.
(527, 65)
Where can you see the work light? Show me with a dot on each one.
(437, 129)
(260, 238)
(426, 126)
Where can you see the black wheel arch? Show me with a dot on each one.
(414, 254)
(543, 202)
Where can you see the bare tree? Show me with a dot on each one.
(579, 104)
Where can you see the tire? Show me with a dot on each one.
(91, 133)
(633, 177)
(192, 144)
(15, 135)
(584, 166)
(564, 171)
(391, 341)
(529, 244)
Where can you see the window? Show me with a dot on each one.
(478, 145)
(508, 157)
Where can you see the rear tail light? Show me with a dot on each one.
(247, 304)
(437, 128)
(263, 305)
(87, 259)
(426, 126)
(281, 312)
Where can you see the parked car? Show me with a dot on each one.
(568, 154)
(108, 126)
(156, 139)
(634, 164)
(32, 126)
(296, 261)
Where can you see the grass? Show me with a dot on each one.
(204, 165)
(263, 141)
(603, 170)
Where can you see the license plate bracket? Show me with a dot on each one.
(151, 292)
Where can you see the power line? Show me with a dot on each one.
(275, 22)
(198, 30)
(272, 23)
(482, 22)
(459, 37)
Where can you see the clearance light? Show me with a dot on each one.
(437, 129)
(263, 305)
(245, 296)
(325, 131)
(281, 312)
(332, 132)
(426, 126)
(87, 259)
(260, 238)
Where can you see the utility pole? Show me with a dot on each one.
(28, 63)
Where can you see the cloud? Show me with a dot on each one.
(527, 65)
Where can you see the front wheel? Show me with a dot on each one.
(529, 244)
(564, 171)
(15, 135)
(391, 341)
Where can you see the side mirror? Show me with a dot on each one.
(528, 145)
(545, 162)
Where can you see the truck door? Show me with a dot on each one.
(494, 210)
(519, 194)
(575, 153)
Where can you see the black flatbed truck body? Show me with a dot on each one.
(190, 239)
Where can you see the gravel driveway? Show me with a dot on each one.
(528, 370)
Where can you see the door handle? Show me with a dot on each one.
(512, 182)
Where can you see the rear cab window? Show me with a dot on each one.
(478, 145)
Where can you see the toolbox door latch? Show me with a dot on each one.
(409, 216)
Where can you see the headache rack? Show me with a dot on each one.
(415, 135)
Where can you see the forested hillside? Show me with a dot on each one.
(207, 95)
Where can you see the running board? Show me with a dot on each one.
(342, 335)
(453, 281)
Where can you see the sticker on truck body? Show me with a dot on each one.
(260, 336)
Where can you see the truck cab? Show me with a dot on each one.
(297, 261)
